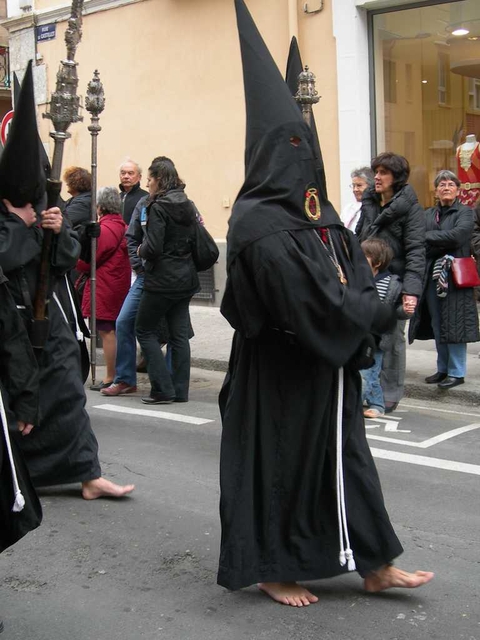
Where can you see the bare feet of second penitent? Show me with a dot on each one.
(288, 593)
(103, 488)
(389, 576)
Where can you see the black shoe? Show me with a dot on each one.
(390, 407)
(450, 382)
(157, 398)
(435, 378)
(99, 386)
(181, 399)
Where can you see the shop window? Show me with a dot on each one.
(409, 83)
(474, 94)
(390, 81)
(426, 84)
(443, 66)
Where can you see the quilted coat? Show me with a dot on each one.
(449, 231)
(401, 223)
(113, 269)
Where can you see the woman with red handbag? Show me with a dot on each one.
(447, 309)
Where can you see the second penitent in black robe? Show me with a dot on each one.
(62, 447)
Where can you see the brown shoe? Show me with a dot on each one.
(118, 389)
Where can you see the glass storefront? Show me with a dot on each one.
(427, 89)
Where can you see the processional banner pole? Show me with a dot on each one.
(307, 95)
(64, 110)
(94, 104)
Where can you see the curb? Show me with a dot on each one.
(419, 391)
(433, 394)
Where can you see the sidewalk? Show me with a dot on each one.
(211, 350)
(213, 335)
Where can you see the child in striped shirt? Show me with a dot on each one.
(389, 288)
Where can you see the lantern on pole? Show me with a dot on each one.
(307, 95)
(94, 104)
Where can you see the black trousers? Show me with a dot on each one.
(153, 308)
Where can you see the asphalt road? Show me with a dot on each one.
(145, 567)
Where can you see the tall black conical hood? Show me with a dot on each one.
(294, 69)
(268, 100)
(22, 178)
(44, 160)
(282, 188)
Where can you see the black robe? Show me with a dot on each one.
(296, 325)
(19, 392)
(62, 448)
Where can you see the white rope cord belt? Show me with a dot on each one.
(346, 553)
(78, 332)
(19, 501)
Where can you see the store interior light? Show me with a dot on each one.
(424, 81)
(461, 31)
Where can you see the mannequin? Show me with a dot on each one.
(468, 170)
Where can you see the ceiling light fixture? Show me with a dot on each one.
(461, 31)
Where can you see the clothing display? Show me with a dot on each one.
(468, 171)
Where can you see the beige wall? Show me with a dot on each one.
(173, 85)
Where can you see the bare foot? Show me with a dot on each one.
(288, 593)
(101, 488)
(389, 576)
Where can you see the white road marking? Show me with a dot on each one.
(431, 441)
(390, 425)
(424, 461)
(151, 413)
(457, 413)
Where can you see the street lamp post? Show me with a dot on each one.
(94, 104)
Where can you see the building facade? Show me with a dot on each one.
(392, 75)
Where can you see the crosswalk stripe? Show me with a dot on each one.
(424, 461)
(152, 413)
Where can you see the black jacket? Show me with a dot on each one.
(78, 210)
(401, 223)
(130, 199)
(448, 232)
(167, 243)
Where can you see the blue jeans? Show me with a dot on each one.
(451, 358)
(126, 360)
(125, 363)
(173, 383)
(371, 390)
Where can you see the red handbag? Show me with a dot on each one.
(465, 274)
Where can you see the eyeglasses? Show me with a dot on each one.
(357, 186)
(446, 185)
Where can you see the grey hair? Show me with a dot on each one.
(127, 159)
(445, 174)
(365, 173)
(108, 199)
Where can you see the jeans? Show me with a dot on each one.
(451, 358)
(371, 390)
(153, 307)
(125, 363)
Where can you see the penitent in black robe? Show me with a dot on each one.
(62, 447)
(296, 325)
(19, 394)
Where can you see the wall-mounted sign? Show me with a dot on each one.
(5, 126)
(46, 32)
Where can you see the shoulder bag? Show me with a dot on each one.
(204, 250)
(465, 274)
